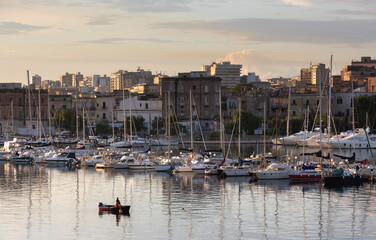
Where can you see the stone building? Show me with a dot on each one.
(205, 98)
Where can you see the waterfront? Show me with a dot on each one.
(41, 202)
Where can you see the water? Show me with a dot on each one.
(40, 202)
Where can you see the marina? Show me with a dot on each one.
(63, 201)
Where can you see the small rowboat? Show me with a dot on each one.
(111, 208)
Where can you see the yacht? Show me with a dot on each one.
(64, 158)
(124, 161)
(291, 140)
(274, 171)
(92, 161)
(141, 165)
(357, 140)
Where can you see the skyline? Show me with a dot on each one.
(270, 37)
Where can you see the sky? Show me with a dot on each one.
(270, 37)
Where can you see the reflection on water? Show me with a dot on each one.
(57, 203)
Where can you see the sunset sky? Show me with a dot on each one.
(270, 37)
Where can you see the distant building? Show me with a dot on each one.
(10, 85)
(313, 74)
(229, 73)
(36, 80)
(146, 89)
(127, 79)
(205, 98)
(50, 83)
(69, 80)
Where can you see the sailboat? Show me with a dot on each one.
(168, 165)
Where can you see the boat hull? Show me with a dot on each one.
(112, 209)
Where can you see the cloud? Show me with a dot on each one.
(13, 28)
(299, 3)
(122, 40)
(283, 30)
(100, 20)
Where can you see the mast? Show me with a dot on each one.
(112, 116)
(12, 116)
(288, 114)
(49, 114)
(352, 113)
(40, 115)
(76, 110)
(125, 126)
(83, 120)
(240, 117)
(220, 120)
(130, 114)
(191, 116)
(330, 94)
(264, 130)
(320, 108)
(168, 126)
(28, 87)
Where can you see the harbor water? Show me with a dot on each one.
(42, 202)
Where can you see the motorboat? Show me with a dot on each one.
(274, 171)
(235, 171)
(64, 158)
(309, 174)
(92, 161)
(291, 140)
(123, 162)
(141, 165)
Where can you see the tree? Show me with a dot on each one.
(137, 122)
(103, 128)
(237, 89)
(364, 104)
(66, 118)
(249, 122)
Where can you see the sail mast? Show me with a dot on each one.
(288, 114)
(191, 116)
(28, 87)
(330, 95)
(240, 117)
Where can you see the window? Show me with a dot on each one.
(194, 88)
(104, 115)
(64, 106)
(318, 102)
(10, 100)
(146, 105)
(33, 126)
(293, 113)
(20, 113)
(206, 88)
(293, 102)
(104, 105)
(206, 101)
(307, 102)
(11, 113)
(34, 113)
(339, 100)
(53, 107)
(42, 100)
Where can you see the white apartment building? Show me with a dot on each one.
(229, 73)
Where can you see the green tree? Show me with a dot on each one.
(249, 122)
(66, 119)
(137, 122)
(103, 128)
(364, 104)
(237, 89)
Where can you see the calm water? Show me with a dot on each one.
(56, 203)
